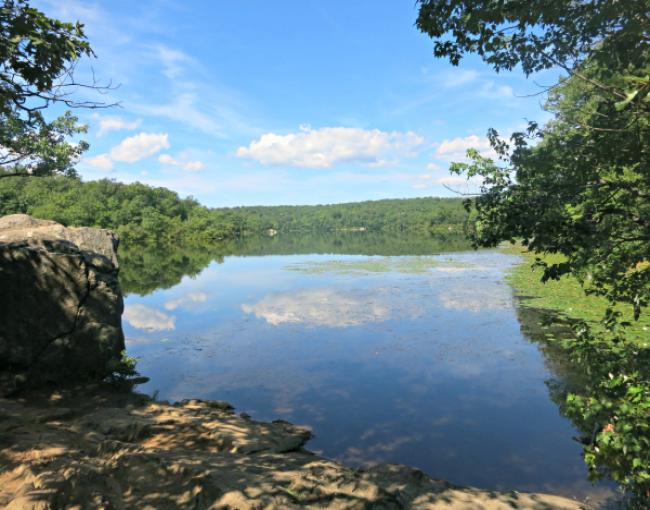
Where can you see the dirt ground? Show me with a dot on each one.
(104, 449)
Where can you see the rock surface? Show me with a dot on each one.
(101, 449)
(61, 310)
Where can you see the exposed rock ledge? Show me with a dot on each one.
(60, 317)
(100, 449)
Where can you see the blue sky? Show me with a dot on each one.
(287, 102)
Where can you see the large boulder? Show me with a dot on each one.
(60, 301)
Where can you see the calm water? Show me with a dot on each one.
(419, 360)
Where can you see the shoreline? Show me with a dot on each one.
(103, 448)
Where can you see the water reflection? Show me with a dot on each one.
(327, 307)
(146, 268)
(147, 318)
(464, 298)
(187, 300)
(426, 367)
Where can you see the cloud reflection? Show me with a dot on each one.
(477, 298)
(149, 319)
(320, 307)
(187, 300)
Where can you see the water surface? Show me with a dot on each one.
(419, 360)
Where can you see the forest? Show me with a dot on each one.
(142, 213)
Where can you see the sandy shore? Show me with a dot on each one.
(97, 448)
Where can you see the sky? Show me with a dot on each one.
(286, 102)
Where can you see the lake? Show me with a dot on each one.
(409, 351)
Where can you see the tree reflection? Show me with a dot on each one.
(600, 384)
(148, 267)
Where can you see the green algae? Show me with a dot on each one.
(415, 265)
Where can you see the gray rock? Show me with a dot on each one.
(96, 244)
(60, 317)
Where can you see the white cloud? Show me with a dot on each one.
(184, 109)
(135, 148)
(190, 166)
(458, 77)
(455, 149)
(324, 147)
(139, 146)
(147, 318)
(451, 180)
(101, 161)
(482, 87)
(172, 61)
(493, 91)
(107, 124)
(186, 300)
(384, 163)
(433, 178)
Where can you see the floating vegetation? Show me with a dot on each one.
(381, 265)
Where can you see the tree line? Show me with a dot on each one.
(144, 214)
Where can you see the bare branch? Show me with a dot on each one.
(460, 192)
(571, 70)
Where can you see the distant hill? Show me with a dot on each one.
(427, 214)
(139, 212)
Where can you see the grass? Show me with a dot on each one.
(567, 297)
